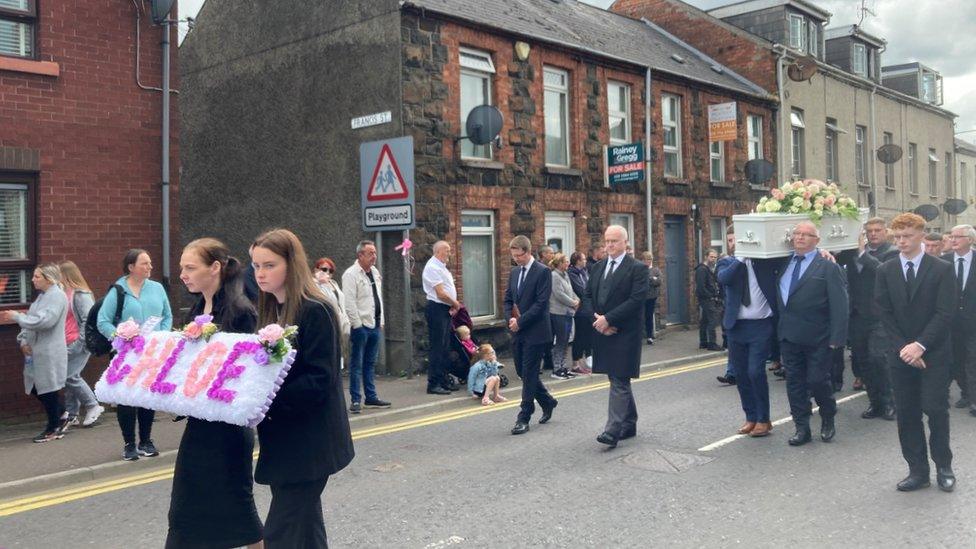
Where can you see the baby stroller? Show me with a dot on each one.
(460, 358)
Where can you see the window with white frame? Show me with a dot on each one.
(618, 111)
(798, 33)
(476, 74)
(755, 132)
(933, 184)
(859, 60)
(950, 191)
(797, 128)
(556, 107)
(716, 156)
(860, 155)
(478, 262)
(913, 168)
(16, 243)
(717, 235)
(889, 169)
(813, 39)
(18, 22)
(831, 150)
(671, 124)
(963, 181)
(626, 221)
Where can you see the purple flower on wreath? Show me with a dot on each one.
(203, 319)
(118, 343)
(261, 357)
(138, 344)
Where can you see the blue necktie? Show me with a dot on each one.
(795, 275)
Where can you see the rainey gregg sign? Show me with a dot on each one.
(623, 163)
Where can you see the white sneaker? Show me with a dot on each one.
(92, 415)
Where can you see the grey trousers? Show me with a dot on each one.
(77, 393)
(622, 413)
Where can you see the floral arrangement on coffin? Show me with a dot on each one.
(810, 196)
(201, 327)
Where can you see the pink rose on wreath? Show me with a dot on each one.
(193, 330)
(829, 201)
(778, 194)
(271, 333)
(127, 330)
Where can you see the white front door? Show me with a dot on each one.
(561, 232)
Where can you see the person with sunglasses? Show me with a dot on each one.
(324, 273)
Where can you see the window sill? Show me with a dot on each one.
(889, 189)
(482, 164)
(559, 170)
(764, 188)
(29, 66)
(863, 186)
(910, 193)
(488, 323)
(674, 180)
(721, 184)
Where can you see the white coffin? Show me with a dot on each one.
(764, 235)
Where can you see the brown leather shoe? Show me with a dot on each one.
(747, 427)
(761, 430)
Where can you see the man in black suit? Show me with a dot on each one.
(527, 311)
(866, 334)
(916, 295)
(962, 239)
(614, 299)
(813, 308)
(709, 295)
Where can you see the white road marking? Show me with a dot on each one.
(776, 423)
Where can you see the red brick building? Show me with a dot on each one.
(79, 152)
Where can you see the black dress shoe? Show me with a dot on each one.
(889, 413)
(713, 347)
(547, 413)
(914, 482)
(608, 439)
(629, 433)
(946, 478)
(827, 430)
(727, 380)
(872, 412)
(801, 437)
(520, 428)
(437, 391)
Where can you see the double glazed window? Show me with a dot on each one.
(556, 107)
(889, 169)
(18, 28)
(933, 185)
(755, 130)
(716, 155)
(860, 154)
(618, 110)
(478, 262)
(671, 124)
(477, 70)
(16, 244)
(913, 168)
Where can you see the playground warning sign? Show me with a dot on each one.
(387, 184)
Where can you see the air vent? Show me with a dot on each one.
(678, 58)
(718, 68)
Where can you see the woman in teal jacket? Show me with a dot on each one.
(143, 299)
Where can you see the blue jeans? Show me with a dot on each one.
(365, 347)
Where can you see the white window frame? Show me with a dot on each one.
(913, 169)
(716, 159)
(859, 60)
(889, 169)
(675, 125)
(830, 151)
(963, 181)
(949, 183)
(564, 114)
(624, 90)
(755, 135)
(933, 173)
(860, 158)
(813, 38)
(475, 64)
(492, 268)
(717, 227)
(798, 40)
(625, 220)
(797, 142)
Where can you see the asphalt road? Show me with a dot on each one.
(466, 482)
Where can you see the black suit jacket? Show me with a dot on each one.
(306, 435)
(618, 355)
(817, 310)
(706, 284)
(532, 302)
(923, 315)
(862, 271)
(965, 310)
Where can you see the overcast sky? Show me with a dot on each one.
(937, 33)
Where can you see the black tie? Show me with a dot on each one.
(910, 276)
(518, 289)
(610, 270)
(959, 273)
(747, 291)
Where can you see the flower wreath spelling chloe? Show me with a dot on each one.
(198, 371)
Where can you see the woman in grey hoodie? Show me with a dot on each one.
(562, 306)
(41, 340)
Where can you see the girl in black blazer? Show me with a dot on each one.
(212, 503)
(305, 436)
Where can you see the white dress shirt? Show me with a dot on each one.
(437, 274)
(916, 261)
(967, 262)
(618, 259)
(758, 306)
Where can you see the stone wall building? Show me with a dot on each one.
(833, 120)
(79, 153)
(568, 79)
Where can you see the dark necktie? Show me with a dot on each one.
(795, 275)
(518, 288)
(910, 276)
(959, 273)
(747, 291)
(610, 270)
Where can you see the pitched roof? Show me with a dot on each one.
(580, 26)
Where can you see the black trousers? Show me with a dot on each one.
(711, 313)
(808, 374)
(127, 416)
(295, 518)
(917, 392)
(868, 344)
(439, 330)
(964, 359)
(650, 305)
(53, 408)
(837, 365)
(528, 360)
(583, 342)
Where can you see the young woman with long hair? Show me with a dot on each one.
(77, 393)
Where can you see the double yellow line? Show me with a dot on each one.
(71, 494)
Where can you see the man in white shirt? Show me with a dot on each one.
(362, 288)
(442, 304)
(961, 240)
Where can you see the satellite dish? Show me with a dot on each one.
(927, 211)
(954, 206)
(160, 10)
(889, 154)
(483, 125)
(802, 69)
(759, 171)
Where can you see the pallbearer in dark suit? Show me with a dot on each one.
(962, 239)
(813, 309)
(614, 299)
(527, 311)
(916, 295)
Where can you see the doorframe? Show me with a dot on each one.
(561, 220)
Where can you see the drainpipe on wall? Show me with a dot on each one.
(647, 158)
(874, 155)
(165, 153)
(780, 52)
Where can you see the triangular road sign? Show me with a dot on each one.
(387, 183)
